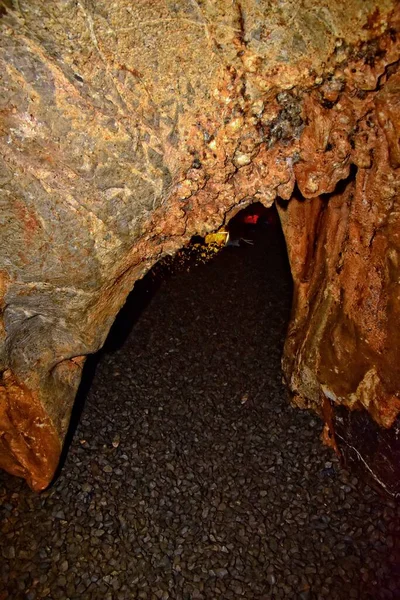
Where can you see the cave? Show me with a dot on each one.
(130, 132)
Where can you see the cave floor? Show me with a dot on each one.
(189, 475)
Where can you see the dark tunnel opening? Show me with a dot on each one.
(253, 231)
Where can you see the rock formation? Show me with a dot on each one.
(126, 128)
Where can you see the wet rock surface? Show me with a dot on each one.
(190, 476)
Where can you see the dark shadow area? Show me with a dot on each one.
(139, 298)
(342, 183)
(88, 374)
(253, 219)
(249, 224)
(370, 450)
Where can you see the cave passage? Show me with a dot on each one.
(189, 475)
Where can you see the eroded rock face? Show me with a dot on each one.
(344, 251)
(343, 341)
(126, 128)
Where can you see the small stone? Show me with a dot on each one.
(98, 532)
(273, 544)
(241, 159)
(221, 573)
(8, 552)
(64, 566)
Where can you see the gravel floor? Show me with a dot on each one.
(189, 475)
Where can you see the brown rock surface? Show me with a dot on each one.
(343, 340)
(126, 128)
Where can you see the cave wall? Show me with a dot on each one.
(344, 249)
(126, 128)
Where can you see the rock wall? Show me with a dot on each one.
(344, 251)
(342, 347)
(126, 128)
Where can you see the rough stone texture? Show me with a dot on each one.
(345, 248)
(127, 128)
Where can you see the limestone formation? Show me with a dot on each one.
(128, 127)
